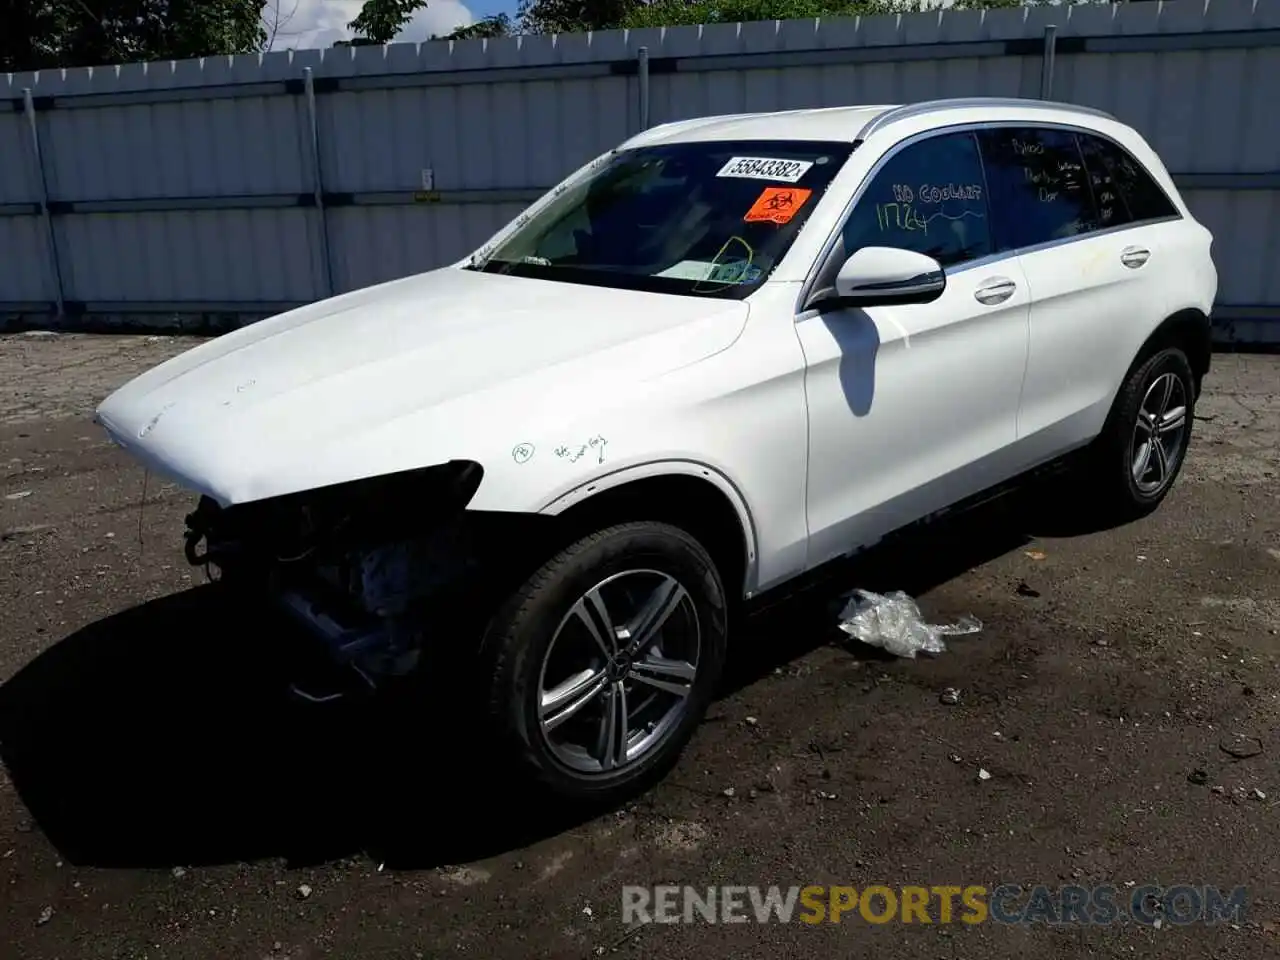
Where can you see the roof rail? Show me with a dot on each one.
(962, 103)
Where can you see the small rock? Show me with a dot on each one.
(179, 872)
(752, 721)
(45, 916)
(950, 696)
(729, 791)
(19, 495)
(1036, 554)
(586, 911)
(983, 774)
(1023, 590)
(1258, 794)
(1240, 746)
(1100, 642)
(954, 758)
(1198, 777)
(304, 891)
(1218, 789)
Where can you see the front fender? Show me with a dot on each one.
(666, 468)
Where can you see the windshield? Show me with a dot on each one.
(710, 219)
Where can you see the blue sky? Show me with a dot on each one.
(306, 24)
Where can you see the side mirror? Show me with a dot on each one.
(886, 276)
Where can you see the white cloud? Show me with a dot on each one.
(308, 24)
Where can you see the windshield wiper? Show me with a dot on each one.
(490, 265)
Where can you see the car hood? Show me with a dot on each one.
(451, 364)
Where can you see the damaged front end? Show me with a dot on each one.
(358, 564)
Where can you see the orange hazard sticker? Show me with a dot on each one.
(778, 204)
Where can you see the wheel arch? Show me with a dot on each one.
(694, 496)
(1188, 329)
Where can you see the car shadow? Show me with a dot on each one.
(920, 560)
(858, 338)
(163, 735)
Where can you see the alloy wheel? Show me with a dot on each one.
(1159, 434)
(619, 671)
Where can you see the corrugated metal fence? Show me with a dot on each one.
(238, 186)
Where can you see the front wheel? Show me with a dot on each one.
(1142, 448)
(604, 662)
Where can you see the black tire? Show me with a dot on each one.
(1110, 468)
(519, 639)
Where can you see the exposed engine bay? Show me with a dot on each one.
(356, 564)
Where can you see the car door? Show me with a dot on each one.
(912, 407)
(1059, 201)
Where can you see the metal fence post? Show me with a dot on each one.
(51, 240)
(642, 71)
(1046, 64)
(326, 259)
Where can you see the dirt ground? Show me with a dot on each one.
(160, 798)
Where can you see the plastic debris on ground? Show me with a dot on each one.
(893, 622)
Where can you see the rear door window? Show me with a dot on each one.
(1039, 190)
(928, 197)
(1125, 191)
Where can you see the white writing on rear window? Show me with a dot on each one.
(765, 168)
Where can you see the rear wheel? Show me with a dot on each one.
(1135, 461)
(604, 662)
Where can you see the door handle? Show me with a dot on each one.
(1134, 257)
(995, 291)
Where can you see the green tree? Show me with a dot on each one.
(380, 20)
(43, 34)
(672, 13)
(574, 16)
(498, 25)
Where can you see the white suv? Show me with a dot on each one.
(710, 361)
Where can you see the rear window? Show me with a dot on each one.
(1125, 192)
(1039, 191)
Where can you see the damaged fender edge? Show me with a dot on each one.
(666, 468)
